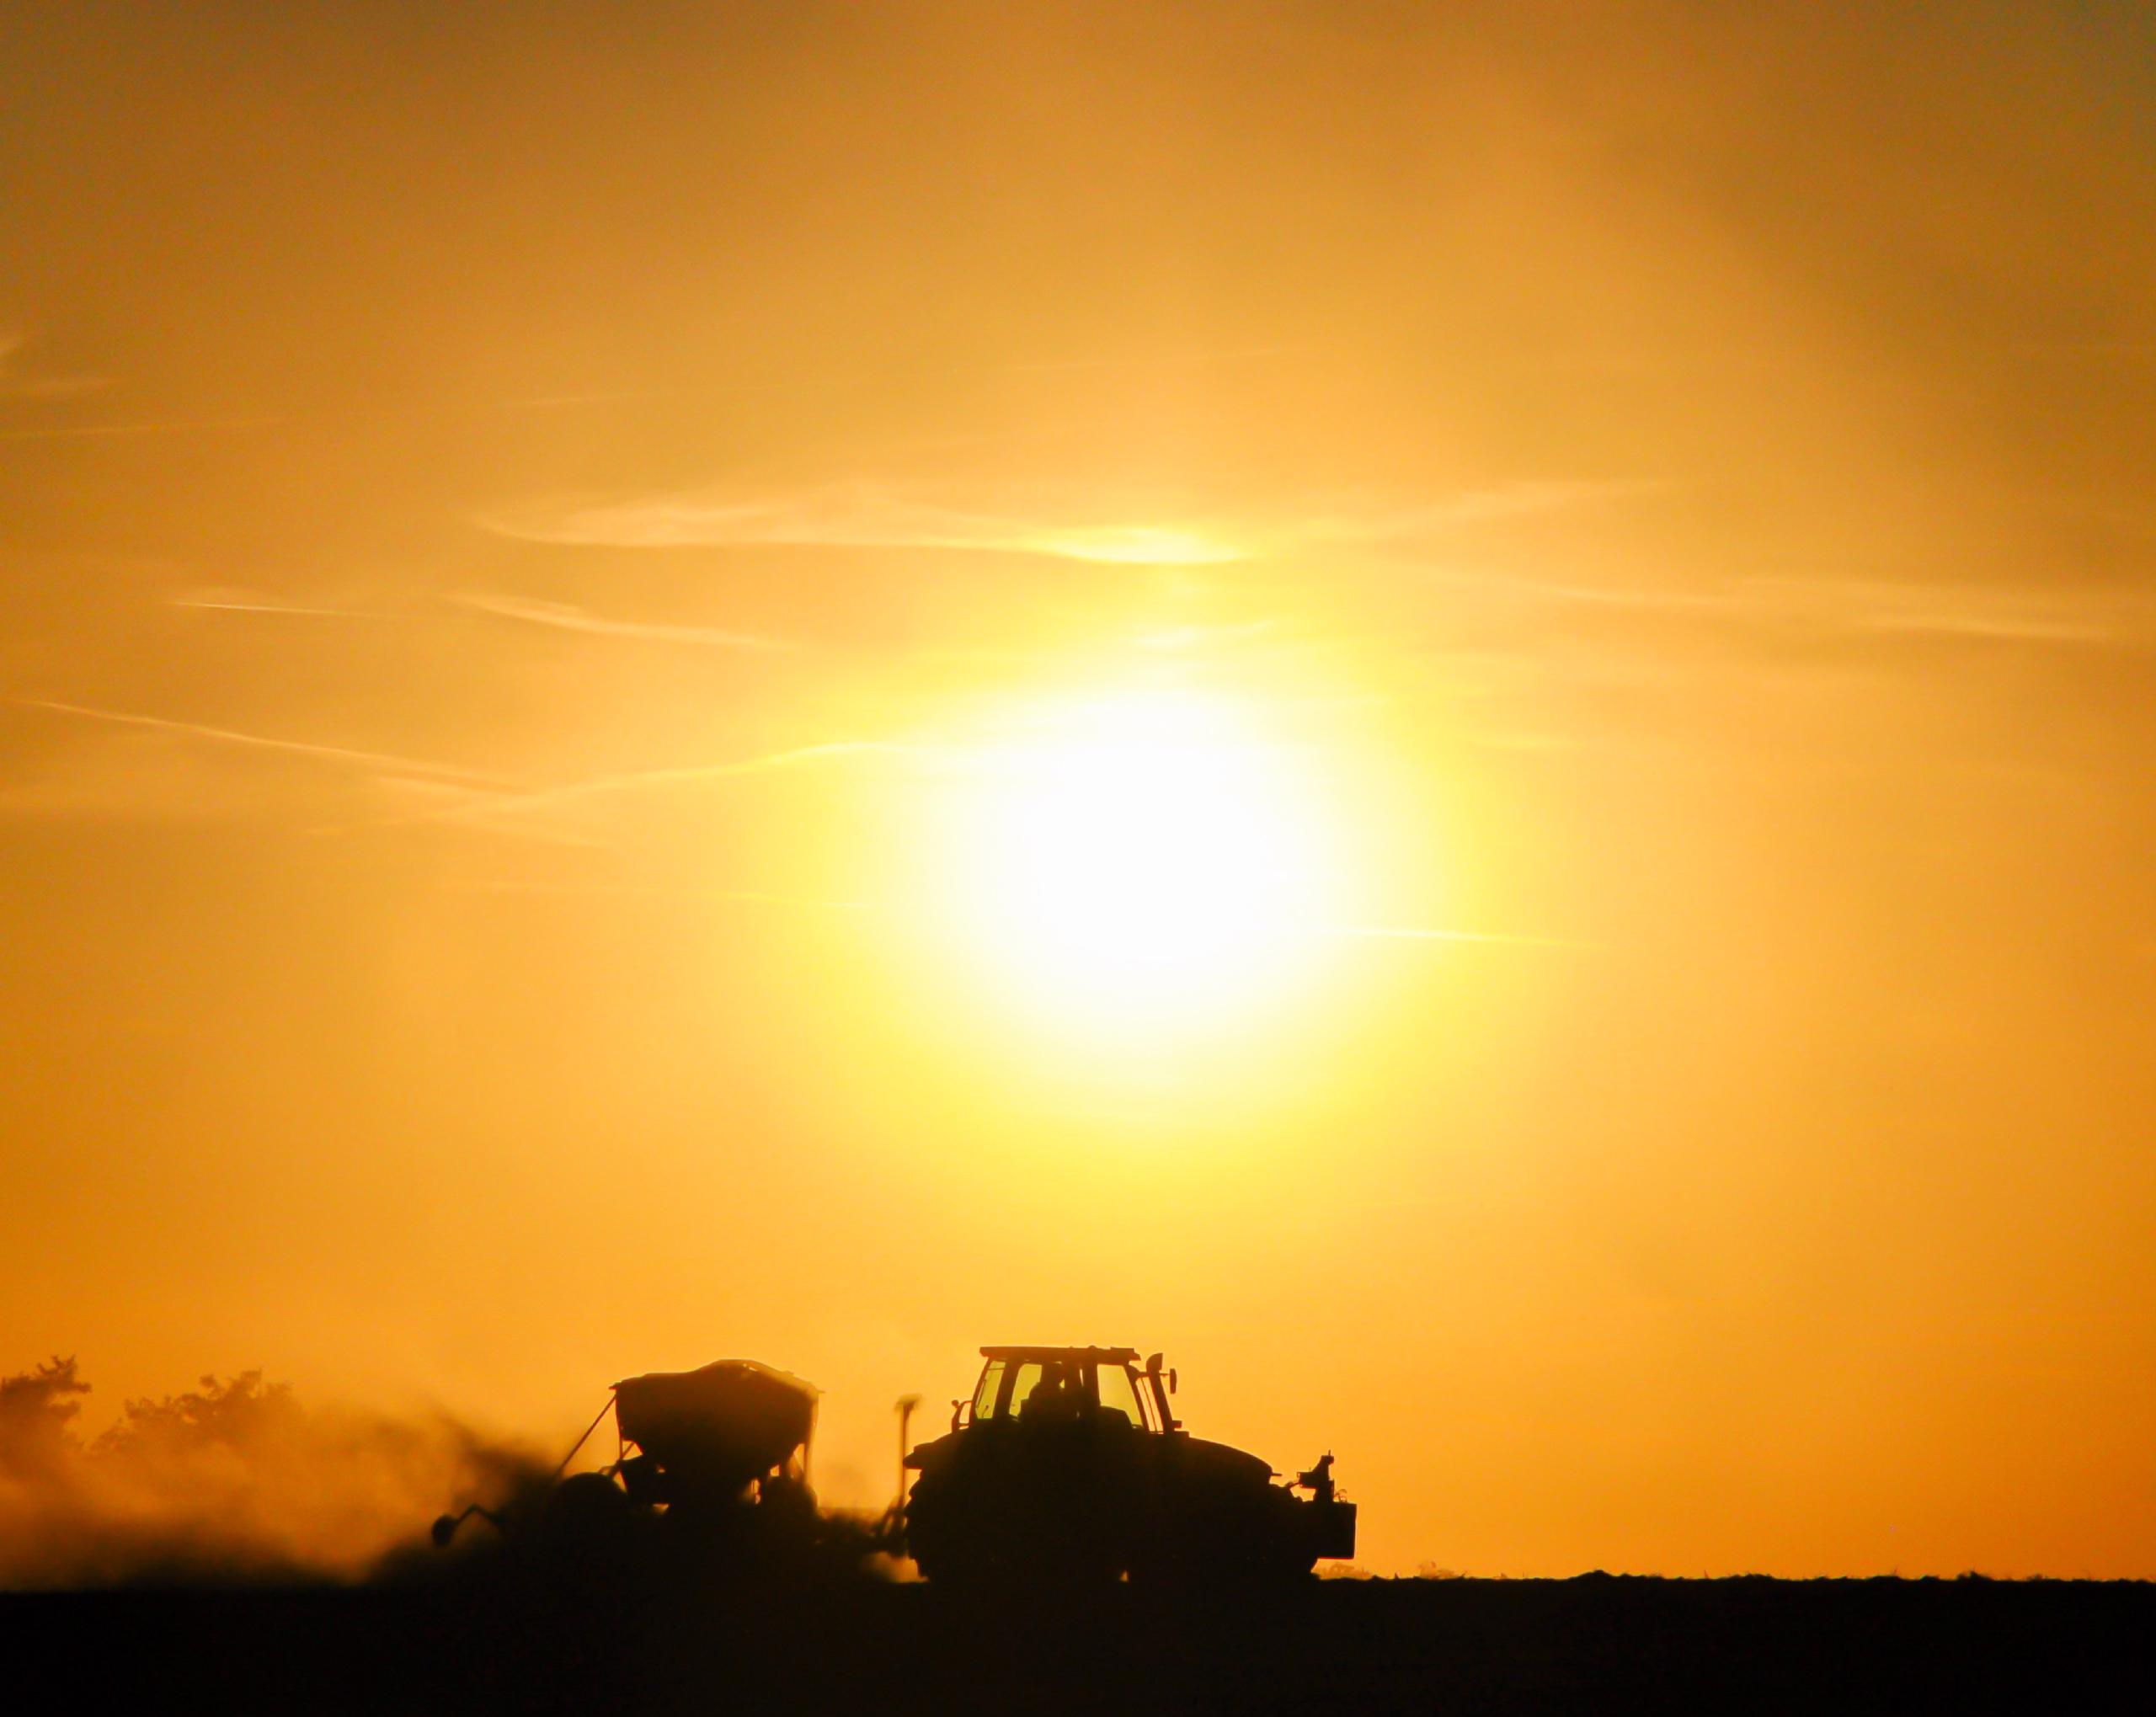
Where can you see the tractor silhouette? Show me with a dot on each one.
(1068, 1466)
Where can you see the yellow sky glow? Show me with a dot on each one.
(1449, 708)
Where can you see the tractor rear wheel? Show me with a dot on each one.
(587, 1515)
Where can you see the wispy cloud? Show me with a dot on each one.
(15, 385)
(2027, 613)
(1979, 613)
(1957, 617)
(764, 897)
(515, 806)
(853, 516)
(373, 761)
(453, 794)
(1394, 519)
(886, 515)
(565, 617)
(740, 897)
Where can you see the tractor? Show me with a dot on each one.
(1068, 1466)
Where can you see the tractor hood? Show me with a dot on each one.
(925, 1457)
(1218, 1461)
(1197, 1458)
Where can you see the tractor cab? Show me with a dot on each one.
(1042, 1386)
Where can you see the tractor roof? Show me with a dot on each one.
(1096, 1355)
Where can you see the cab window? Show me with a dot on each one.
(991, 1379)
(1025, 1381)
(1154, 1404)
(1117, 1394)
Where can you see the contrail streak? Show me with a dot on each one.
(749, 897)
(261, 742)
(542, 798)
(237, 605)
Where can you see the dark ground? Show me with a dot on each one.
(495, 1640)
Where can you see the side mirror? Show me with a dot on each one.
(445, 1529)
(957, 1407)
(1172, 1379)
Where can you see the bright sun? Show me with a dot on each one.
(1146, 861)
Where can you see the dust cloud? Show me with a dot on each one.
(234, 1481)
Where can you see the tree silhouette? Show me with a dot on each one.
(37, 1414)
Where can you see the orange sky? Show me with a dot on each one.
(534, 542)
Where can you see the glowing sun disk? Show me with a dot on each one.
(1145, 859)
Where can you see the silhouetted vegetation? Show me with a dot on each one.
(38, 1409)
(232, 1479)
